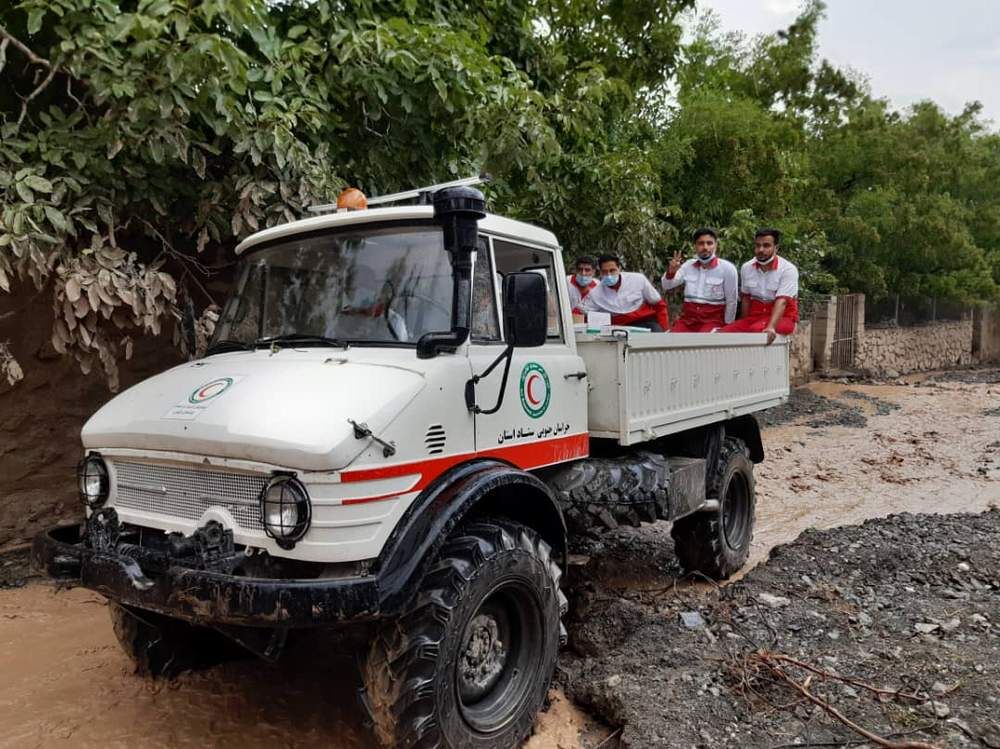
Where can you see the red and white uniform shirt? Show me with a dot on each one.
(578, 293)
(764, 287)
(633, 290)
(711, 291)
(632, 300)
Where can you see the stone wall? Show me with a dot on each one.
(800, 353)
(889, 352)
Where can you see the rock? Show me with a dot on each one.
(614, 680)
(692, 620)
(940, 687)
(951, 625)
(963, 567)
(925, 628)
(772, 601)
(891, 374)
(989, 734)
(863, 619)
(979, 619)
(938, 709)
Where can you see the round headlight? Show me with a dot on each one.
(285, 510)
(92, 475)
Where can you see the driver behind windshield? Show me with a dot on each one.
(366, 313)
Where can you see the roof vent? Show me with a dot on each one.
(435, 439)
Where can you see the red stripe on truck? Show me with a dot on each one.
(527, 456)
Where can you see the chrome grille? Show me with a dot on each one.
(187, 492)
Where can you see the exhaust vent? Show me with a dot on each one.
(435, 439)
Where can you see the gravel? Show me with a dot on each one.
(908, 603)
(803, 403)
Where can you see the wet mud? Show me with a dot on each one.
(67, 684)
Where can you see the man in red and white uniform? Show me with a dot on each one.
(710, 286)
(769, 288)
(629, 297)
(581, 283)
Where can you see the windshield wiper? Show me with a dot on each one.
(301, 339)
(225, 346)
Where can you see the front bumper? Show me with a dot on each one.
(203, 596)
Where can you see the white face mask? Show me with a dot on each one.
(768, 261)
(708, 260)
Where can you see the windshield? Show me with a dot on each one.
(364, 285)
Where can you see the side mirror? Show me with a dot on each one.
(525, 309)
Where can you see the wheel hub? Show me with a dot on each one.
(483, 659)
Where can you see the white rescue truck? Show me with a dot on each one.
(396, 428)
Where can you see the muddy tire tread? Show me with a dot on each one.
(399, 673)
(159, 646)
(598, 494)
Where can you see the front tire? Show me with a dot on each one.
(160, 646)
(469, 663)
(717, 543)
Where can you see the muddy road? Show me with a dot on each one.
(837, 454)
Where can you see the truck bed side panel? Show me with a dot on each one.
(648, 385)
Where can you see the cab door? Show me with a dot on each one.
(542, 419)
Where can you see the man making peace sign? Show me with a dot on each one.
(710, 286)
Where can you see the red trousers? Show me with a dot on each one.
(758, 323)
(656, 317)
(700, 318)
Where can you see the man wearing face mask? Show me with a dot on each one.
(769, 286)
(710, 286)
(629, 297)
(581, 283)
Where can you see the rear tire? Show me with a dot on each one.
(717, 543)
(469, 663)
(160, 646)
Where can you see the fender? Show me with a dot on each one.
(477, 488)
(747, 429)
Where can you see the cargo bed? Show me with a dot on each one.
(647, 385)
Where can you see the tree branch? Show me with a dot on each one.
(3, 53)
(38, 89)
(25, 49)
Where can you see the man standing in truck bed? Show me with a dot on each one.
(710, 286)
(629, 297)
(769, 287)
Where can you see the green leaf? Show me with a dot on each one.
(296, 31)
(24, 192)
(56, 218)
(35, 16)
(39, 184)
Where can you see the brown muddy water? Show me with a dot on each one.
(64, 682)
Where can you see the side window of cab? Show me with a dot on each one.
(485, 318)
(511, 257)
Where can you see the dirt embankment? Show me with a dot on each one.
(846, 601)
(41, 417)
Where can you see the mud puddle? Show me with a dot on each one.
(65, 683)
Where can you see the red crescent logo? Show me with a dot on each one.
(531, 381)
